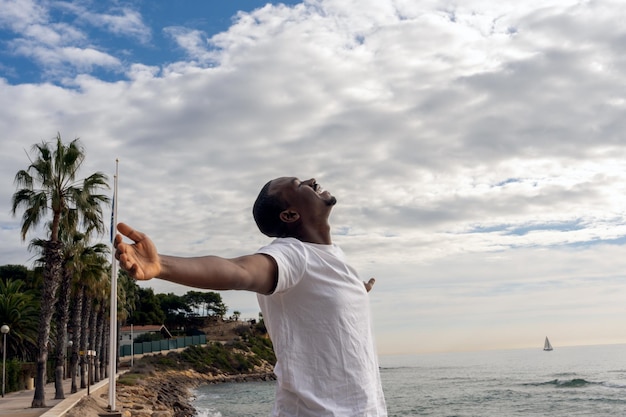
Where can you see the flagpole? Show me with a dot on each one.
(113, 323)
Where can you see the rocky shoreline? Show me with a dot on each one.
(159, 394)
(159, 385)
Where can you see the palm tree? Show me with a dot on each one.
(100, 292)
(49, 184)
(128, 299)
(95, 272)
(84, 335)
(18, 309)
(63, 316)
(77, 258)
(93, 264)
(76, 314)
(128, 296)
(101, 319)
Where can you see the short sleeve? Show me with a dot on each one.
(291, 258)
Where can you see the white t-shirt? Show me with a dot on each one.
(319, 321)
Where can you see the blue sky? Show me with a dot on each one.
(476, 149)
(127, 31)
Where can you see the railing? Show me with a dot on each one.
(161, 345)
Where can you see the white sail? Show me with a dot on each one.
(547, 345)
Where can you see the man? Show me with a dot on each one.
(315, 307)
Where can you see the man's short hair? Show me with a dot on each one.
(266, 212)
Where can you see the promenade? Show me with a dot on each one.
(18, 404)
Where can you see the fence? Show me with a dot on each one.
(161, 345)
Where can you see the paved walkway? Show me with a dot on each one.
(18, 404)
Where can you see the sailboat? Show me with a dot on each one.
(546, 345)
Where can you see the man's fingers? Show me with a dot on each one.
(130, 233)
(131, 267)
(133, 271)
(117, 240)
(369, 284)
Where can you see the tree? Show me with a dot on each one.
(206, 301)
(176, 310)
(213, 301)
(148, 309)
(128, 296)
(100, 293)
(78, 257)
(90, 290)
(127, 301)
(14, 272)
(49, 185)
(19, 310)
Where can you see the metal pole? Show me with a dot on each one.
(88, 371)
(113, 346)
(4, 329)
(67, 357)
(4, 361)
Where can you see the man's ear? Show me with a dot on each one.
(289, 216)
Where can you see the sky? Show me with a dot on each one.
(476, 148)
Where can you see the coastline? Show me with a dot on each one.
(160, 393)
(160, 384)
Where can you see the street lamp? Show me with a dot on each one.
(67, 370)
(5, 330)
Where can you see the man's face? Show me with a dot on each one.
(307, 195)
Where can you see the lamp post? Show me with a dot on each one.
(67, 369)
(5, 330)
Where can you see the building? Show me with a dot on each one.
(128, 333)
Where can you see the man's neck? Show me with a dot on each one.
(320, 235)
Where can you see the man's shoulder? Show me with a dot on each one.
(282, 245)
(284, 242)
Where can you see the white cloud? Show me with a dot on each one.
(122, 21)
(476, 152)
(127, 23)
(64, 49)
(193, 42)
(56, 59)
(18, 15)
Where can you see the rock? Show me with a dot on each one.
(161, 394)
(162, 413)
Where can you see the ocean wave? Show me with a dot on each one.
(209, 413)
(611, 384)
(568, 383)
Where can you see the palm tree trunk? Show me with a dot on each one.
(104, 356)
(101, 344)
(98, 344)
(92, 342)
(84, 336)
(76, 334)
(63, 316)
(52, 273)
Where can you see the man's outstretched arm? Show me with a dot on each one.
(142, 261)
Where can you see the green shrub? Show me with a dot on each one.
(129, 378)
(240, 356)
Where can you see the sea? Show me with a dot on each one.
(585, 381)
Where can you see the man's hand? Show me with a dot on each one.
(369, 284)
(140, 259)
